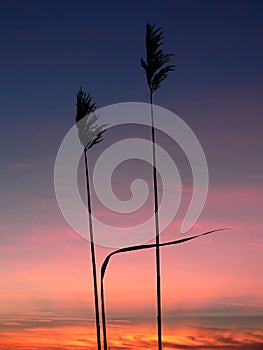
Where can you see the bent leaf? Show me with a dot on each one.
(148, 246)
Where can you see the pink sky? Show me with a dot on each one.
(48, 265)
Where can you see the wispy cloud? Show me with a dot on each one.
(74, 333)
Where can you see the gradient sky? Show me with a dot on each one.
(49, 49)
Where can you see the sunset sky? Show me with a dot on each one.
(211, 287)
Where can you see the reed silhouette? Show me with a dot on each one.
(89, 134)
(156, 69)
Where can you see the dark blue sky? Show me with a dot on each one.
(50, 48)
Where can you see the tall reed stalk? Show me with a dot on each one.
(156, 70)
(90, 134)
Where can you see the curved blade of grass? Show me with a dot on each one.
(148, 246)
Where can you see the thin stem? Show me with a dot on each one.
(157, 238)
(93, 256)
(103, 312)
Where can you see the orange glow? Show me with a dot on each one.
(69, 334)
